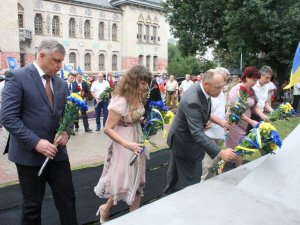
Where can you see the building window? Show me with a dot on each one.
(38, 24)
(72, 58)
(114, 32)
(87, 29)
(101, 31)
(22, 59)
(154, 37)
(72, 31)
(101, 62)
(141, 59)
(140, 32)
(148, 61)
(20, 20)
(55, 25)
(146, 37)
(114, 62)
(87, 61)
(154, 63)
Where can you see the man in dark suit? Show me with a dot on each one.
(187, 138)
(81, 86)
(33, 103)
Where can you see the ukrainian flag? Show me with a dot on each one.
(295, 73)
(79, 71)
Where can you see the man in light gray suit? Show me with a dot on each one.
(33, 100)
(187, 138)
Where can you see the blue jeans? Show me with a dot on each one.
(101, 106)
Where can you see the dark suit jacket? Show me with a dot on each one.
(27, 115)
(85, 87)
(186, 136)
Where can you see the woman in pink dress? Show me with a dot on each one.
(119, 180)
(237, 131)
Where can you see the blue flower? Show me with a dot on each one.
(276, 138)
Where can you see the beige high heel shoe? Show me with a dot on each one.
(100, 212)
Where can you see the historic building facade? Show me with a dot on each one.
(98, 35)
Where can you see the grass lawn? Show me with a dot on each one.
(285, 127)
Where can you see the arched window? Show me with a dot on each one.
(72, 58)
(114, 62)
(72, 31)
(55, 25)
(154, 37)
(101, 62)
(148, 61)
(141, 59)
(101, 31)
(87, 61)
(114, 32)
(38, 24)
(87, 29)
(154, 63)
(147, 33)
(140, 32)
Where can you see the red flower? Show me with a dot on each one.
(78, 88)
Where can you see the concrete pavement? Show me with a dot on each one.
(83, 148)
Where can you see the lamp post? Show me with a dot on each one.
(108, 54)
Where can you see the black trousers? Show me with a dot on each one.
(296, 102)
(84, 120)
(59, 177)
(182, 173)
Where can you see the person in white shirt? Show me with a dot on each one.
(186, 84)
(171, 88)
(218, 125)
(271, 91)
(97, 88)
(296, 96)
(261, 89)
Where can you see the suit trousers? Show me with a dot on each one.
(59, 177)
(296, 102)
(101, 106)
(182, 173)
(84, 120)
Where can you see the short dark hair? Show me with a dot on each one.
(250, 72)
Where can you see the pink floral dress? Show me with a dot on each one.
(119, 180)
(237, 131)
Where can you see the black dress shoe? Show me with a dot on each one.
(97, 129)
(88, 130)
(76, 129)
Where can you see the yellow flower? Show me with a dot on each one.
(77, 96)
(273, 146)
(266, 127)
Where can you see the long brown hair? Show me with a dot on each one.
(128, 86)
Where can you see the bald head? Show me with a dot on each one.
(213, 82)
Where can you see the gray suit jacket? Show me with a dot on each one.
(186, 136)
(27, 115)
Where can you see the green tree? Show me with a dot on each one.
(265, 31)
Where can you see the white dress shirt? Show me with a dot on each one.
(297, 89)
(98, 87)
(185, 85)
(261, 93)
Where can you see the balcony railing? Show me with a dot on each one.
(25, 34)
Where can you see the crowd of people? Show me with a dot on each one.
(196, 136)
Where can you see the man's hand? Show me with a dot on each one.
(207, 126)
(46, 148)
(227, 154)
(62, 139)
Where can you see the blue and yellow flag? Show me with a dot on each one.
(295, 73)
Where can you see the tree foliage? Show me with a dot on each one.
(179, 65)
(265, 31)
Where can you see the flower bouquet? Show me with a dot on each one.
(262, 139)
(73, 104)
(240, 106)
(105, 95)
(283, 112)
(156, 120)
(80, 92)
